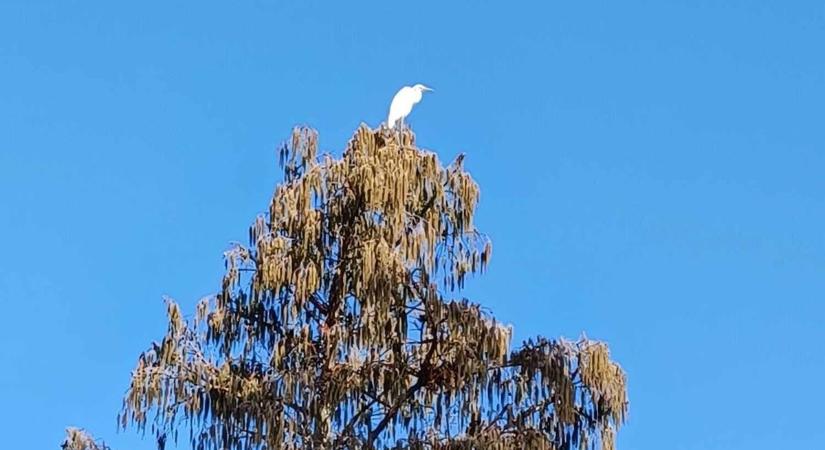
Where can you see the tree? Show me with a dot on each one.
(335, 327)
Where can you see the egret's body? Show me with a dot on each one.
(403, 102)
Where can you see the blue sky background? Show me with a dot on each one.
(652, 173)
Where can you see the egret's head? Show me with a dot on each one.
(421, 88)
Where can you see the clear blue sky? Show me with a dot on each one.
(651, 174)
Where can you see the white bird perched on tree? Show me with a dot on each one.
(403, 103)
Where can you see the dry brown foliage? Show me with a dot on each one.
(333, 328)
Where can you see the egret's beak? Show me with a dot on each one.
(425, 88)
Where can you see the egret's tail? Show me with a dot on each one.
(392, 122)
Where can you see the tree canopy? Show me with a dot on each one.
(340, 326)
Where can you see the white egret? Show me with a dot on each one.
(403, 102)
